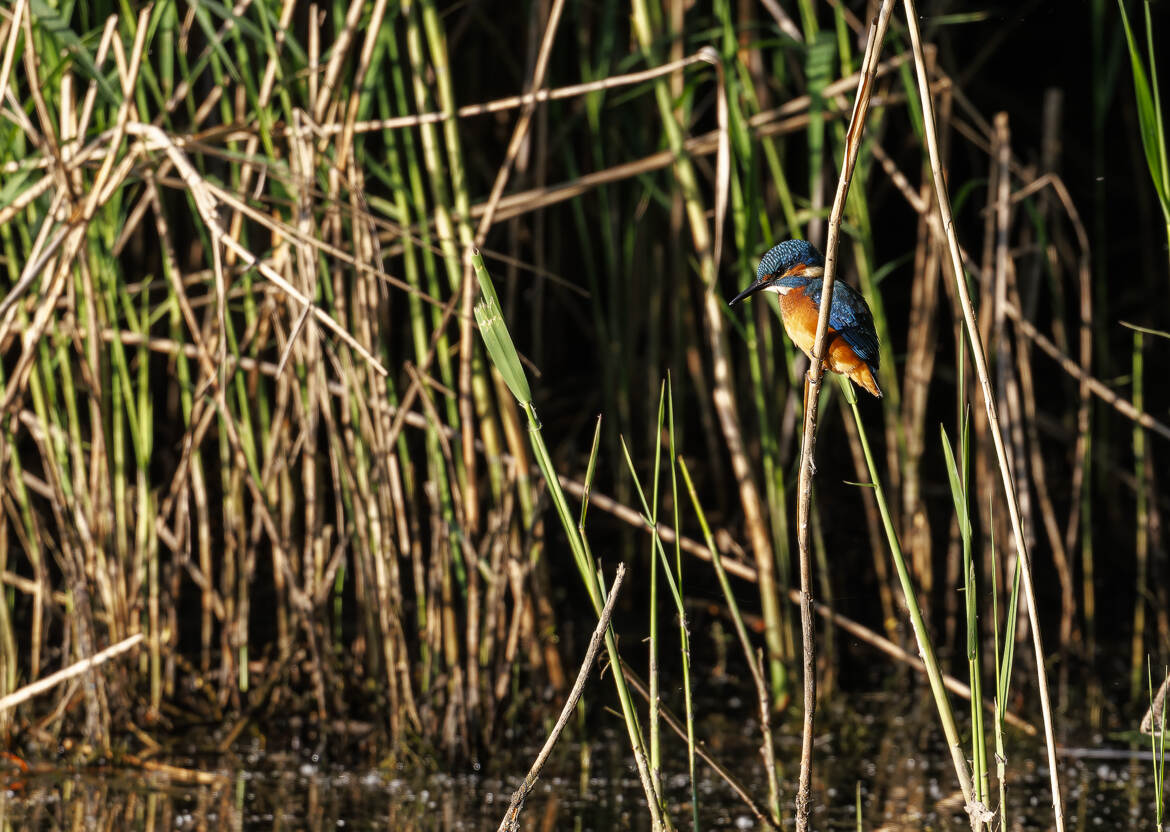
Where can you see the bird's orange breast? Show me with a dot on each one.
(800, 315)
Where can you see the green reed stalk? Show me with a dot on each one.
(652, 520)
(1003, 666)
(1157, 748)
(437, 170)
(673, 578)
(925, 646)
(1142, 541)
(753, 661)
(958, 475)
(473, 381)
(684, 633)
(1149, 107)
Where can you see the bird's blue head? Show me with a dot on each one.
(789, 265)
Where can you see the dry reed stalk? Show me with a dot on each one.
(920, 351)
(1049, 209)
(868, 71)
(919, 373)
(520, 203)
(767, 123)
(1039, 475)
(1085, 341)
(1076, 368)
(1008, 403)
(1087, 385)
(518, 101)
(1096, 386)
(988, 399)
(597, 500)
(206, 200)
(13, 26)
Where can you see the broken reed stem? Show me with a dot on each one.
(511, 823)
(978, 355)
(877, 34)
(76, 669)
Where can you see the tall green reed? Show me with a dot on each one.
(1149, 109)
(498, 342)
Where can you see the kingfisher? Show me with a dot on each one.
(795, 271)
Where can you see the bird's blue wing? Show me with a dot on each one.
(851, 317)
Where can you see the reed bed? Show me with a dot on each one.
(286, 285)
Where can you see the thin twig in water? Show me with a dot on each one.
(510, 823)
(675, 724)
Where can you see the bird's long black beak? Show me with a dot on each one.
(748, 292)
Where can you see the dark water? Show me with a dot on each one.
(888, 744)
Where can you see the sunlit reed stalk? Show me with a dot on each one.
(977, 354)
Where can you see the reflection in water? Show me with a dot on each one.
(896, 755)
